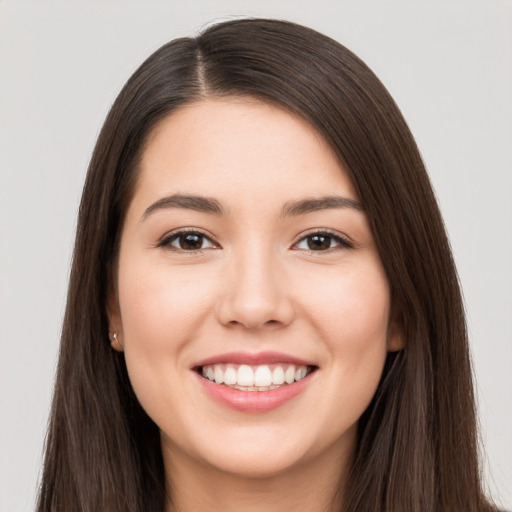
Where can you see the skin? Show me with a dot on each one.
(253, 285)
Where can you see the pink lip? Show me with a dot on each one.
(253, 359)
(253, 401)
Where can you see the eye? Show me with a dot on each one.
(322, 241)
(187, 241)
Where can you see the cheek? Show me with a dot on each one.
(162, 310)
(159, 305)
(352, 316)
(356, 339)
(350, 307)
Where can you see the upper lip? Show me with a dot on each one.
(253, 359)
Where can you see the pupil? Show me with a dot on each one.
(317, 242)
(191, 241)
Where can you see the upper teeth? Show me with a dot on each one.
(254, 378)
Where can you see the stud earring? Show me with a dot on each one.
(115, 343)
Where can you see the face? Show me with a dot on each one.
(251, 301)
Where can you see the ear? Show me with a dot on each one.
(114, 320)
(396, 335)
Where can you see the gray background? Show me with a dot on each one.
(448, 65)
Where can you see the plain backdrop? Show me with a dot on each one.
(447, 64)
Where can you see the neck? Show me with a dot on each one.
(315, 486)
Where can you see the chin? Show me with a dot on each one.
(254, 464)
(267, 451)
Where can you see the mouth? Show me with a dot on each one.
(259, 378)
(254, 383)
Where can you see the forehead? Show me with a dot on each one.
(239, 146)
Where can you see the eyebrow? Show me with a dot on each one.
(304, 206)
(197, 203)
(212, 206)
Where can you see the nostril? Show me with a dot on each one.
(255, 305)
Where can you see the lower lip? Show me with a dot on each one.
(253, 401)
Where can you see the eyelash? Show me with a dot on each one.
(171, 237)
(342, 243)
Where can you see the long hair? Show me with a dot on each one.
(417, 441)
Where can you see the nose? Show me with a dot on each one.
(255, 293)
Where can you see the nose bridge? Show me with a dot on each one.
(255, 293)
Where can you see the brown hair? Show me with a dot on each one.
(417, 447)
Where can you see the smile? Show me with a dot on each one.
(255, 378)
(254, 383)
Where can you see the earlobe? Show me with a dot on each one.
(116, 343)
(114, 321)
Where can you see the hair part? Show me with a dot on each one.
(417, 447)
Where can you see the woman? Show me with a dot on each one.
(263, 311)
